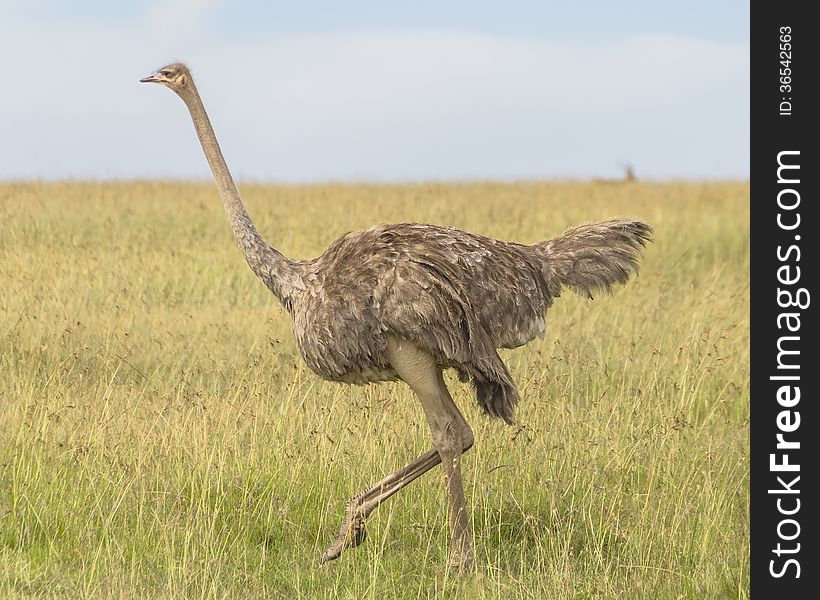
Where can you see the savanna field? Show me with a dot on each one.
(161, 437)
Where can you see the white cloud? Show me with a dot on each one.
(173, 17)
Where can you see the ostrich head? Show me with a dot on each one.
(176, 77)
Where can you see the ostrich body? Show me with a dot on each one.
(406, 301)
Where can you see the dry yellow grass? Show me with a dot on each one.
(159, 436)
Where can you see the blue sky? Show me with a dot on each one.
(382, 91)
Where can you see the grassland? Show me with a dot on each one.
(159, 436)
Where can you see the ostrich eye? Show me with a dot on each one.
(166, 74)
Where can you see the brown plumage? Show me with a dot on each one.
(455, 294)
(405, 301)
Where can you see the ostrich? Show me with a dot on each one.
(406, 301)
(629, 174)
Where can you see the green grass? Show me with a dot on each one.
(160, 437)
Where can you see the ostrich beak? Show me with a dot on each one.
(152, 78)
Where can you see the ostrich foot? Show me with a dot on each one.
(351, 533)
(463, 560)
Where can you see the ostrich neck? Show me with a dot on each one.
(279, 273)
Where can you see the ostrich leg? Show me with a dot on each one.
(352, 532)
(452, 436)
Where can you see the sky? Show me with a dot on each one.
(377, 90)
